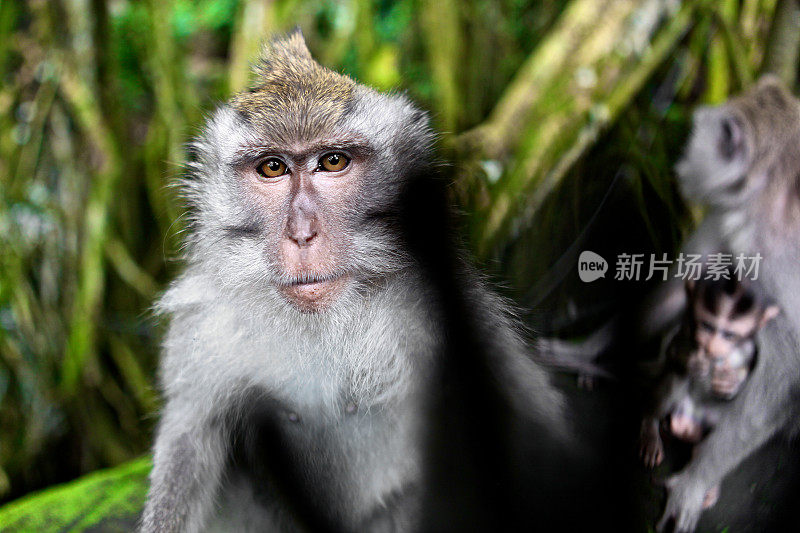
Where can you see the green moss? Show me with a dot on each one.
(108, 500)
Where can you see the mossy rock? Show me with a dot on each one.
(108, 500)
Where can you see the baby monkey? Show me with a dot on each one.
(707, 362)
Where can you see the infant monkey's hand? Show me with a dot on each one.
(685, 427)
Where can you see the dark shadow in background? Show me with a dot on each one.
(488, 468)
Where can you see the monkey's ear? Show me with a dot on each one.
(769, 313)
(731, 140)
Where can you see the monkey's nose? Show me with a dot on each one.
(717, 347)
(302, 224)
(303, 234)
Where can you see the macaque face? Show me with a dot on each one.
(298, 185)
(718, 334)
(714, 167)
(733, 148)
(725, 314)
(305, 195)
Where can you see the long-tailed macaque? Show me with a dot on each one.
(321, 298)
(708, 361)
(742, 162)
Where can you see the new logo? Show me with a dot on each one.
(591, 266)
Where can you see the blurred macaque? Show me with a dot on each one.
(708, 362)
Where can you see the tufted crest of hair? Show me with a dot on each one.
(295, 101)
(293, 95)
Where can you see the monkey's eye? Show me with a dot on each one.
(272, 168)
(333, 162)
(708, 326)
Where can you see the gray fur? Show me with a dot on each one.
(753, 206)
(345, 390)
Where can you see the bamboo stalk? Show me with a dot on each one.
(136, 378)
(129, 270)
(256, 20)
(80, 356)
(783, 43)
(736, 47)
(442, 37)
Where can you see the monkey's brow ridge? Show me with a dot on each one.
(249, 152)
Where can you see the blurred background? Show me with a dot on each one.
(562, 120)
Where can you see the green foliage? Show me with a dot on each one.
(110, 500)
(544, 105)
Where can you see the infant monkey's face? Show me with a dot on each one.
(717, 334)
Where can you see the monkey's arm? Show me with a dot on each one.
(667, 393)
(724, 448)
(189, 456)
(523, 382)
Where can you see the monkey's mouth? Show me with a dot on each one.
(313, 293)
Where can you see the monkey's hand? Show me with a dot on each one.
(685, 427)
(651, 448)
(685, 501)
